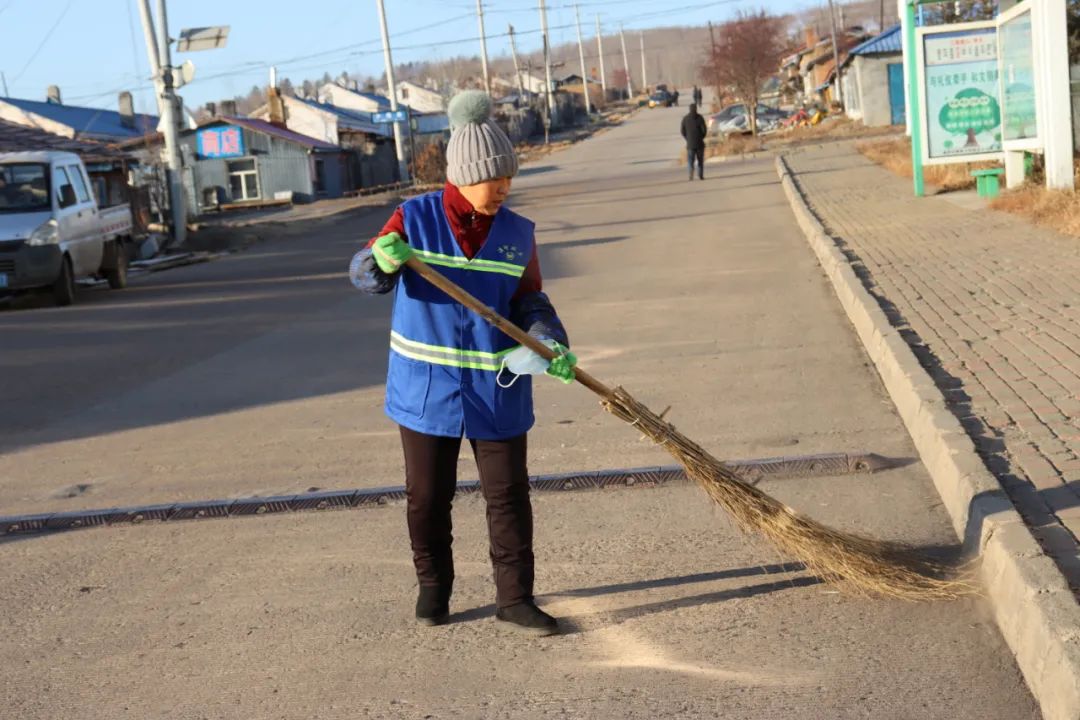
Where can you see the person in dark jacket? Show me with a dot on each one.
(694, 130)
(453, 375)
(697, 96)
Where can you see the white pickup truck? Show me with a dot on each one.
(52, 232)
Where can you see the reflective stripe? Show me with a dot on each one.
(452, 357)
(464, 263)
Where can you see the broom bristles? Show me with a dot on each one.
(857, 564)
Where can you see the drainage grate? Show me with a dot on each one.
(752, 470)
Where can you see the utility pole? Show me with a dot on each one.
(626, 64)
(836, 56)
(547, 60)
(157, 50)
(881, 17)
(3, 78)
(483, 46)
(581, 55)
(399, 145)
(517, 68)
(644, 75)
(600, 49)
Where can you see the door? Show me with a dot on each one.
(67, 218)
(896, 93)
(90, 246)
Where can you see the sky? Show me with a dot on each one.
(93, 49)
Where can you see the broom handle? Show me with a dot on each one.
(508, 328)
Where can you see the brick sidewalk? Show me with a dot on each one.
(991, 306)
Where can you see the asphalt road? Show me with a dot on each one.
(262, 374)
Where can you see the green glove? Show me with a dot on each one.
(390, 253)
(562, 367)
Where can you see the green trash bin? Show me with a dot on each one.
(987, 182)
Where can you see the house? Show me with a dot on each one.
(572, 84)
(818, 67)
(419, 98)
(72, 121)
(874, 80)
(533, 84)
(247, 161)
(373, 157)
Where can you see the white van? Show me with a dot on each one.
(51, 229)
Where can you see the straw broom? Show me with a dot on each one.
(857, 564)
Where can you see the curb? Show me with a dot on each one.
(1032, 603)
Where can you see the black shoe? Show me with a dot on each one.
(432, 605)
(528, 618)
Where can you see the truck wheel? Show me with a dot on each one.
(63, 289)
(118, 274)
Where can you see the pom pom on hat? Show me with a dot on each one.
(469, 107)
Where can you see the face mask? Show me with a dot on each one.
(523, 361)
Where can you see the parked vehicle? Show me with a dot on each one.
(52, 232)
(661, 98)
(734, 119)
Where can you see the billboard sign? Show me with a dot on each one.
(961, 118)
(220, 142)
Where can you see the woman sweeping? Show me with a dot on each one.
(452, 375)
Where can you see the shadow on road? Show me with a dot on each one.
(585, 242)
(584, 623)
(593, 621)
(259, 328)
(536, 170)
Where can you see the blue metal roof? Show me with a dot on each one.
(92, 122)
(887, 43)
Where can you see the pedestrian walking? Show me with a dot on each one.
(697, 96)
(454, 376)
(694, 130)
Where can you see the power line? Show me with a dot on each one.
(44, 40)
(345, 53)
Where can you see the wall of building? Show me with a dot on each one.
(307, 120)
(333, 94)
(852, 98)
(872, 76)
(420, 99)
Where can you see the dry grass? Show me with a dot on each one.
(840, 128)
(1055, 209)
(895, 155)
(858, 564)
(730, 145)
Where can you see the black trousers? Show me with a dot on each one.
(430, 482)
(698, 154)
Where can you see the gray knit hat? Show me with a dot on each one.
(479, 150)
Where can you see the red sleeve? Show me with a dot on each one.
(396, 223)
(530, 282)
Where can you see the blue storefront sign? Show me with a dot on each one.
(220, 142)
(389, 117)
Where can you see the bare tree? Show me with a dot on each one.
(746, 54)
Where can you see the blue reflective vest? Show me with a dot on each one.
(444, 359)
